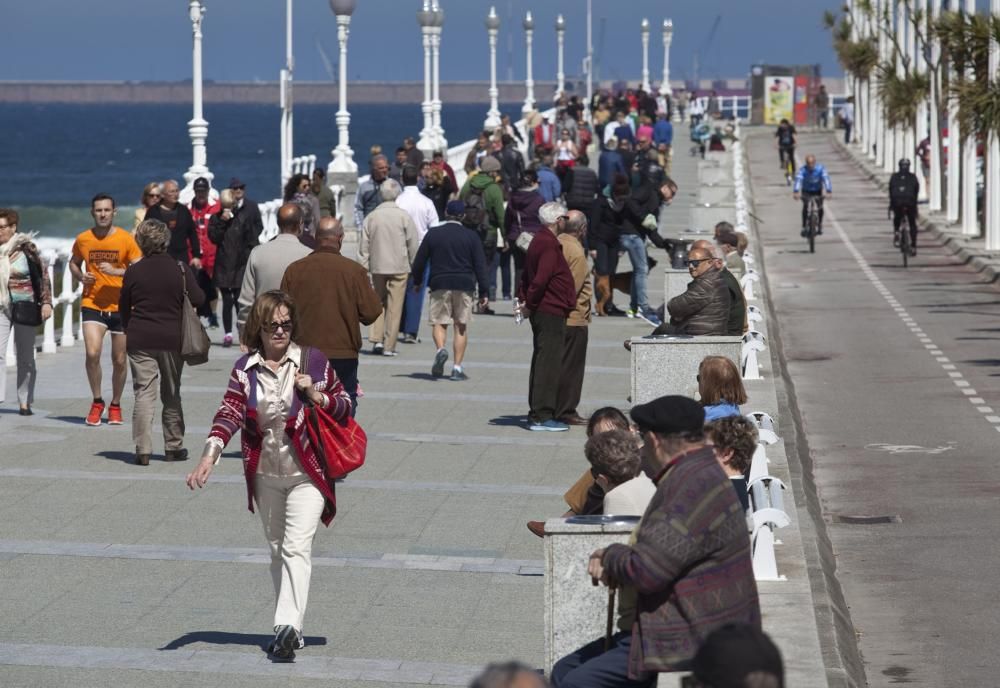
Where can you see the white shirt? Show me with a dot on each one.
(847, 112)
(630, 498)
(609, 130)
(420, 208)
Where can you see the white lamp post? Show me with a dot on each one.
(953, 195)
(343, 156)
(668, 37)
(935, 130)
(492, 28)
(645, 55)
(560, 39)
(425, 18)
(287, 141)
(197, 127)
(992, 191)
(589, 60)
(440, 143)
(970, 215)
(529, 83)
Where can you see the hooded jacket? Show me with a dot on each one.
(522, 214)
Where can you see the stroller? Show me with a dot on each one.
(699, 137)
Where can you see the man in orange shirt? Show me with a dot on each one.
(107, 251)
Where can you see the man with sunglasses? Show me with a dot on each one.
(703, 309)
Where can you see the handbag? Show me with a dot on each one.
(523, 240)
(340, 446)
(194, 340)
(29, 312)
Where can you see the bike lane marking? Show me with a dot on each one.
(963, 385)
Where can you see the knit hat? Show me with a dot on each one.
(455, 209)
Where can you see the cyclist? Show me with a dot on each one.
(812, 181)
(785, 136)
(904, 189)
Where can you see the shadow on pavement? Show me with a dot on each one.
(224, 638)
(123, 456)
(509, 421)
(421, 376)
(73, 420)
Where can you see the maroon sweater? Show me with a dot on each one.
(546, 282)
(151, 300)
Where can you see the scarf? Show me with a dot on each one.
(14, 244)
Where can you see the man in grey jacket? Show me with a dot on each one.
(388, 244)
(369, 193)
(703, 309)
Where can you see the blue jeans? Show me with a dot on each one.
(414, 305)
(501, 259)
(592, 667)
(635, 246)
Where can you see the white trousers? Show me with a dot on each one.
(290, 509)
(24, 346)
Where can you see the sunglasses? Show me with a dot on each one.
(696, 262)
(285, 325)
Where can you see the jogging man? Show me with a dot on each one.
(107, 251)
(904, 190)
(811, 181)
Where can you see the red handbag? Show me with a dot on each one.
(340, 446)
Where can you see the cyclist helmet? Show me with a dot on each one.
(904, 165)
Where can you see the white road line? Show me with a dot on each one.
(963, 385)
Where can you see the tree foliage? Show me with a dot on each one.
(965, 42)
(901, 94)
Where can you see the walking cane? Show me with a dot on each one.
(611, 619)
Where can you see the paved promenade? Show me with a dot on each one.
(895, 374)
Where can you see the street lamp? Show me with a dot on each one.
(492, 28)
(529, 83)
(440, 143)
(560, 75)
(425, 18)
(287, 146)
(197, 127)
(668, 37)
(645, 55)
(343, 156)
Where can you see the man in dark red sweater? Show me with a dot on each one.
(547, 295)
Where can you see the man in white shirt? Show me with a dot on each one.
(421, 209)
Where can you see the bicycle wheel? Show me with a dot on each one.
(813, 222)
(904, 246)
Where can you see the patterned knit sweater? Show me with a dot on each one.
(691, 564)
(238, 411)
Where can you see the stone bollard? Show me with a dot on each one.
(674, 283)
(576, 611)
(668, 364)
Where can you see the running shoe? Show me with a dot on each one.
(437, 370)
(115, 415)
(96, 411)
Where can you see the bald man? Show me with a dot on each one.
(267, 262)
(703, 309)
(333, 298)
(737, 322)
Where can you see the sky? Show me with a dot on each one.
(150, 40)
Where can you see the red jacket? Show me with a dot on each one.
(201, 217)
(539, 135)
(546, 282)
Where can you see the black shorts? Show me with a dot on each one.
(111, 320)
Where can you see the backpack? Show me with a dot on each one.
(903, 188)
(475, 208)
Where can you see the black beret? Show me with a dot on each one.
(670, 415)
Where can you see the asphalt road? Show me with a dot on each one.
(897, 377)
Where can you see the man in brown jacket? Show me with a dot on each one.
(574, 357)
(333, 298)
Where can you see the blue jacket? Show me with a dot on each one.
(456, 256)
(663, 132)
(721, 410)
(608, 165)
(812, 181)
(548, 184)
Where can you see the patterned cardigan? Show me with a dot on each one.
(690, 565)
(239, 412)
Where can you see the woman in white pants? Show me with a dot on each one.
(268, 391)
(23, 278)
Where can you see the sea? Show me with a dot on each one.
(57, 156)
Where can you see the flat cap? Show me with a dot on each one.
(670, 415)
(490, 165)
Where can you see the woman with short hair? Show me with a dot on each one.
(720, 387)
(24, 280)
(269, 390)
(151, 305)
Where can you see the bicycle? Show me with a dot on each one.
(812, 222)
(904, 243)
(788, 157)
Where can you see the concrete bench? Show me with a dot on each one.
(716, 194)
(576, 611)
(668, 364)
(706, 218)
(710, 173)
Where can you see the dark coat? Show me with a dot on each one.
(644, 200)
(609, 164)
(235, 237)
(152, 302)
(522, 214)
(511, 165)
(581, 187)
(609, 221)
(737, 304)
(703, 309)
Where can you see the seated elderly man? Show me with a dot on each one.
(689, 559)
(736, 325)
(703, 309)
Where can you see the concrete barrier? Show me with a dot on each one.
(716, 194)
(674, 283)
(576, 611)
(668, 364)
(710, 174)
(706, 218)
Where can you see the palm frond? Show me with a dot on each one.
(901, 95)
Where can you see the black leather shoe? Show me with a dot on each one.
(176, 455)
(142, 459)
(26, 411)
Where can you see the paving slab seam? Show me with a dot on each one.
(841, 656)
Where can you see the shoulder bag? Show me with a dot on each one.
(29, 312)
(194, 340)
(340, 446)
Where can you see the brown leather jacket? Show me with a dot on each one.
(703, 309)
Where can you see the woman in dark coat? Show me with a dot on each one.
(603, 239)
(521, 217)
(235, 231)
